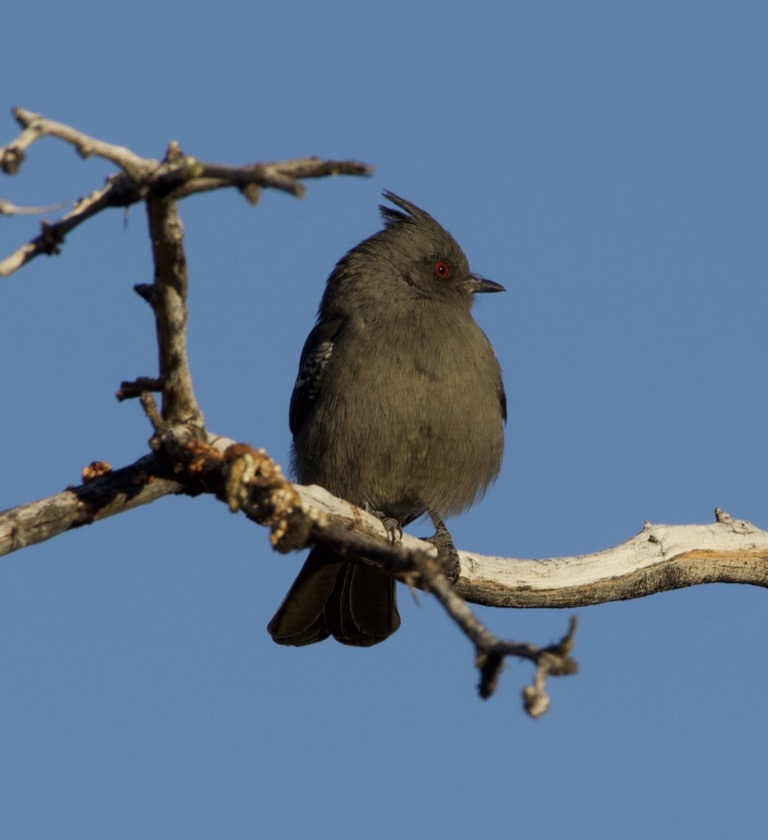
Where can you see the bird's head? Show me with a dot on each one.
(412, 258)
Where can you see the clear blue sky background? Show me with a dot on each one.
(607, 162)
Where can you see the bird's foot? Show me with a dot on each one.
(447, 555)
(391, 525)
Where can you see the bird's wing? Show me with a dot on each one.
(503, 401)
(317, 352)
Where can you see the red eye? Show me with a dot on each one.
(442, 269)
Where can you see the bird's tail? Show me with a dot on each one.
(354, 603)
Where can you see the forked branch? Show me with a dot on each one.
(176, 176)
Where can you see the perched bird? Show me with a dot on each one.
(398, 407)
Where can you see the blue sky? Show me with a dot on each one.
(606, 162)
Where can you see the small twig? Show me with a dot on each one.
(8, 209)
(136, 387)
(553, 661)
(117, 192)
(153, 415)
(490, 651)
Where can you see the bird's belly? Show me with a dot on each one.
(408, 442)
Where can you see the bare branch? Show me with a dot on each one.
(169, 303)
(282, 175)
(175, 177)
(114, 492)
(36, 126)
(118, 191)
(659, 558)
(672, 556)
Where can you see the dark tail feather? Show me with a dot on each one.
(354, 603)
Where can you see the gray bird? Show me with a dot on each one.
(398, 407)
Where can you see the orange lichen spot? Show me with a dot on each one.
(94, 470)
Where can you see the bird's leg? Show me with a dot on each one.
(447, 555)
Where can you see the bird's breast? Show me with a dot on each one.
(409, 415)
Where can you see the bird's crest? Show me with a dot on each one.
(413, 213)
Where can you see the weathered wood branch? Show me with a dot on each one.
(659, 558)
(176, 176)
(114, 492)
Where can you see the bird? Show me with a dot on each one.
(398, 407)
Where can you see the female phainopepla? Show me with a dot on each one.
(398, 407)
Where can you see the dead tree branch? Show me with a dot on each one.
(660, 557)
(250, 481)
(176, 176)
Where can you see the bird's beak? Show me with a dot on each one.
(480, 284)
